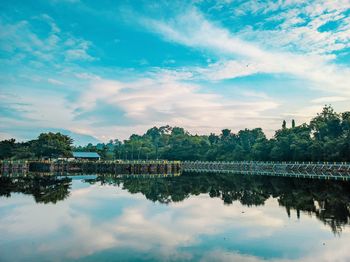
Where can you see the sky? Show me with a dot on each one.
(100, 70)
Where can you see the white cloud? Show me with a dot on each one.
(40, 110)
(51, 47)
(334, 251)
(78, 54)
(329, 99)
(226, 256)
(164, 100)
(88, 76)
(192, 29)
(55, 81)
(298, 24)
(139, 226)
(163, 232)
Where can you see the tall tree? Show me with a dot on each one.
(284, 124)
(52, 145)
(7, 148)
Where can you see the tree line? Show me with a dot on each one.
(325, 138)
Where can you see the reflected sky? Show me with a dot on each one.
(99, 221)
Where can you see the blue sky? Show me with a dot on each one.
(99, 70)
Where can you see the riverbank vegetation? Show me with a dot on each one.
(325, 138)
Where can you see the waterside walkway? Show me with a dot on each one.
(322, 170)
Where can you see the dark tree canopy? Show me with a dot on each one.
(46, 145)
(52, 145)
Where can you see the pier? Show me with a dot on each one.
(97, 167)
(321, 170)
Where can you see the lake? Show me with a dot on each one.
(189, 217)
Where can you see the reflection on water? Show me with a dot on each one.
(44, 189)
(189, 217)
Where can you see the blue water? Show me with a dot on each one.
(174, 219)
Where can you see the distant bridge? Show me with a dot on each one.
(325, 170)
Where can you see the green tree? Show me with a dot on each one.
(284, 124)
(327, 131)
(7, 148)
(52, 145)
(326, 124)
(344, 143)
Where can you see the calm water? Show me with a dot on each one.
(204, 217)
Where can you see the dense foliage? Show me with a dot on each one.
(325, 138)
(46, 145)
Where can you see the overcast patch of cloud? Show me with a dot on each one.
(164, 100)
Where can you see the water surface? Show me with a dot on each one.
(192, 217)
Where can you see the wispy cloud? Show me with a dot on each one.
(55, 81)
(20, 38)
(329, 99)
(242, 58)
(302, 26)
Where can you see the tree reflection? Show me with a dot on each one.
(328, 200)
(44, 189)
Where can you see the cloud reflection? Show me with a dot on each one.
(70, 229)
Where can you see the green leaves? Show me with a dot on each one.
(52, 145)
